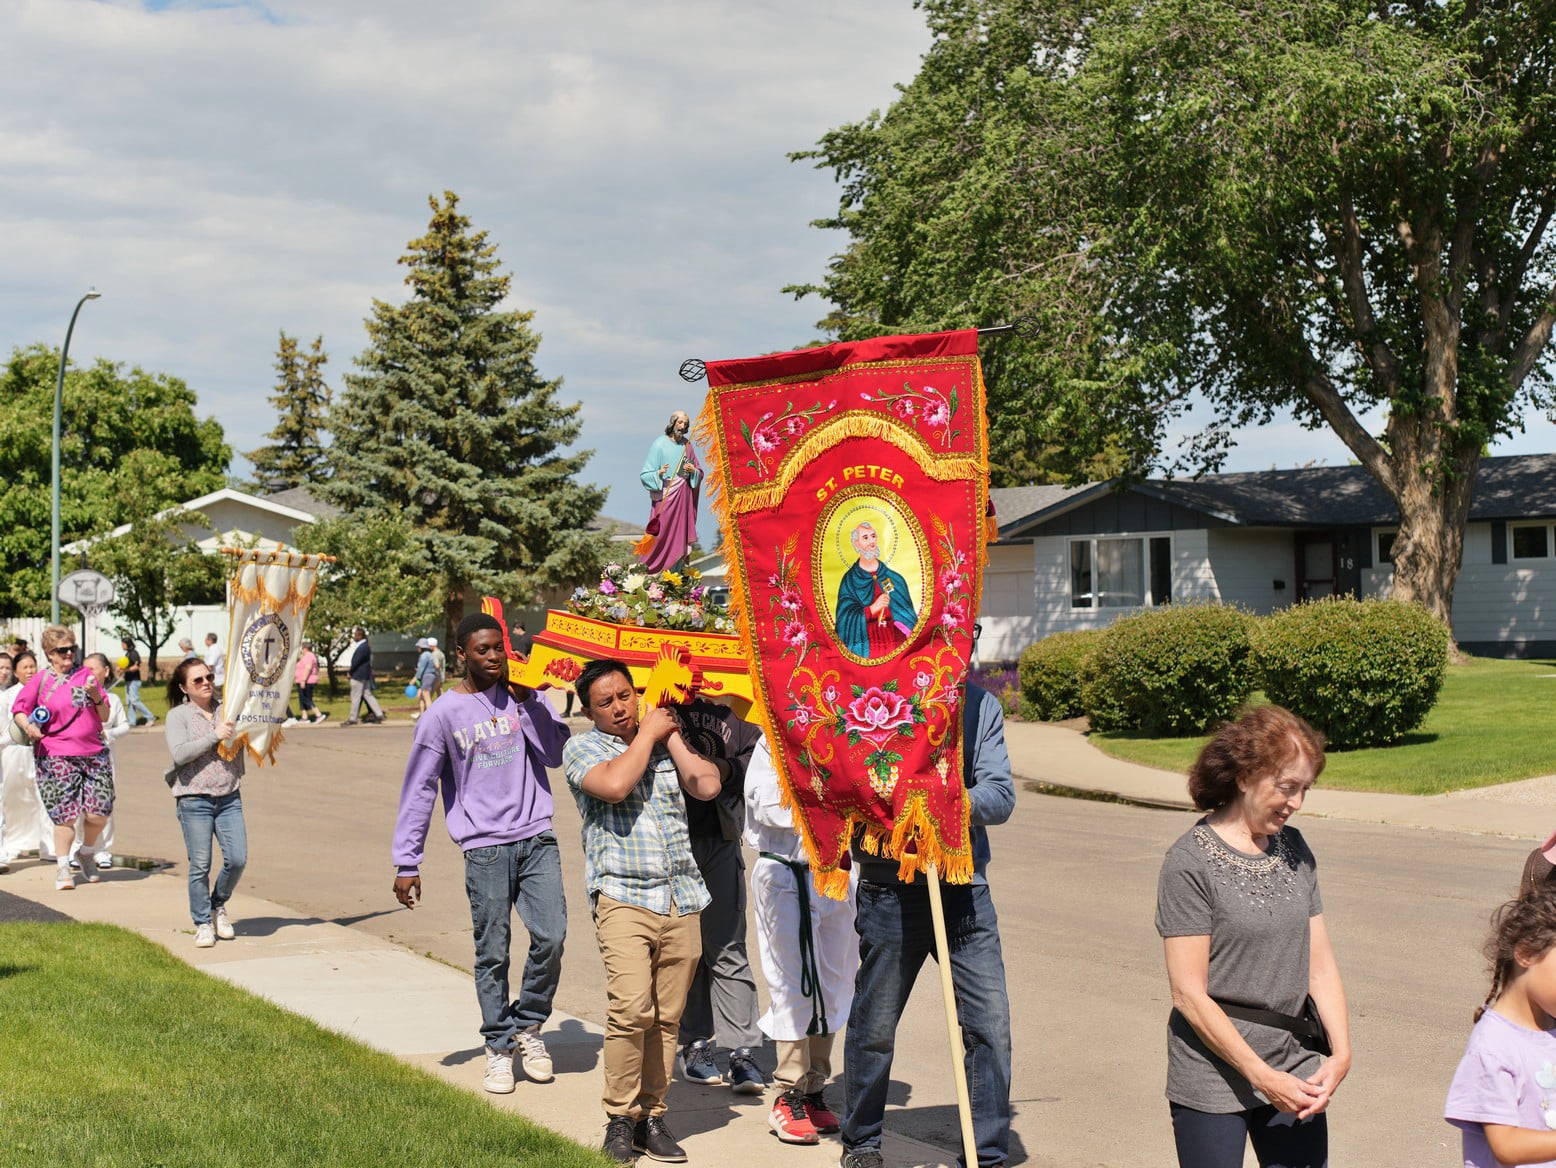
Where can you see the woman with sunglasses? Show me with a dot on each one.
(205, 791)
(63, 709)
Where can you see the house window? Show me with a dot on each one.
(1386, 546)
(1531, 542)
(1120, 572)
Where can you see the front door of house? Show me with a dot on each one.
(1317, 574)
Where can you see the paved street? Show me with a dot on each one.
(1075, 886)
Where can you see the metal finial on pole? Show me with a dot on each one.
(693, 369)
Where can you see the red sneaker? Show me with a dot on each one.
(821, 1116)
(790, 1120)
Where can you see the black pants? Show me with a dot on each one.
(1280, 1140)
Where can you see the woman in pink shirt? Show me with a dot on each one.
(75, 775)
(307, 677)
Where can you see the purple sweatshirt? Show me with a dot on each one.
(489, 755)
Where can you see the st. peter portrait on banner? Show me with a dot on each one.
(875, 608)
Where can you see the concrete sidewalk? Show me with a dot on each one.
(1056, 756)
(410, 1006)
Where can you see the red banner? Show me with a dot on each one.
(851, 483)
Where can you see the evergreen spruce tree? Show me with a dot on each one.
(448, 423)
(296, 456)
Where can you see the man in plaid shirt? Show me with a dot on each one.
(628, 776)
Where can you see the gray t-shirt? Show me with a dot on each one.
(1255, 911)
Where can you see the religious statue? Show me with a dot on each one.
(875, 611)
(672, 476)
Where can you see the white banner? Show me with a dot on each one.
(268, 599)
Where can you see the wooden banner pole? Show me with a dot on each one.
(952, 1026)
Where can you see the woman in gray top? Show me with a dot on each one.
(205, 791)
(1240, 916)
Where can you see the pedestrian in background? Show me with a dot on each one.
(133, 706)
(115, 727)
(205, 789)
(307, 678)
(424, 678)
(361, 673)
(216, 662)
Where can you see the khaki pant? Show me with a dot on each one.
(804, 1066)
(649, 962)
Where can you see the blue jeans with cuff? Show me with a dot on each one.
(525, 876)
(896, 935)
(204, 817)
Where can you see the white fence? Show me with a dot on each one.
(103, 635)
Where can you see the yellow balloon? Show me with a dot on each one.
(123, 662)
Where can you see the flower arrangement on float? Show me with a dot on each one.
(629, 594)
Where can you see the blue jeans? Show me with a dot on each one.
(896, 934)
(526, 876)
(133, 703)
(204, 817)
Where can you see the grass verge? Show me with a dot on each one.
(118, 1054)
(1492, 724)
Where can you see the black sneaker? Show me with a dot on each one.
(861, 1158)
(653, 1139)
(618, 1140)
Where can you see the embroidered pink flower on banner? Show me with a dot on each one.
(790, 599)
(795, 426)
(922, 680)
(877, 714)
(954, 615)
(762, 442)
(794, 633)
(903, 407)
(830, 694)
(802, 717)
(936, 413)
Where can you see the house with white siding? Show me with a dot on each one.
(1081, 557)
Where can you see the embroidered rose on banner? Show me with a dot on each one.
(876, 714)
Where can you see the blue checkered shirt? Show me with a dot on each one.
(637, 851)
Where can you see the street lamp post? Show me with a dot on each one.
(59, 394)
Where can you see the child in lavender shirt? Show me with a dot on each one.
(1503, 1097)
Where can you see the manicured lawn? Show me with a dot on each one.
(390, 695)
(1495, 722)
(117, 1053)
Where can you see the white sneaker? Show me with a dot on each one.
(499, 1072)
(289, 722)
(63, 880)
(223, 925)
(104, 859)
(205, 936)
(88, 868)
(533, 1055)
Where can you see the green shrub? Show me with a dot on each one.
(1181, 669)
(1365, 672)
(1052, 672)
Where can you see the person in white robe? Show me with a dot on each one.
(809, 955)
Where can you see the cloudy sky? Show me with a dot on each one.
(224, 171)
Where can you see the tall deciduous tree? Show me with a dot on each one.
(378, 580)
(296, 456)
(1328, 206)
(449, 424)
(156, 566)
(130, 444)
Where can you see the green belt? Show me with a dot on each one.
(810, 973)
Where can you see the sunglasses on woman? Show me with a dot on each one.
(204, 678)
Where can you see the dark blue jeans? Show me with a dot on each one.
(896, 934)
(527, 877)
(1208, 1140)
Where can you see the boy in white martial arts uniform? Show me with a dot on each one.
(803, 938)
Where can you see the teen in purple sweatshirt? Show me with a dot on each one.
(487, 745)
